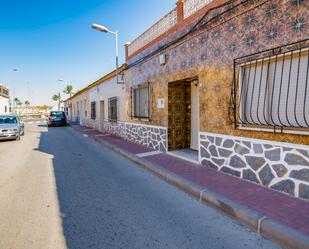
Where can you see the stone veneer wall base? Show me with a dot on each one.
(280, 166)
(154, 137)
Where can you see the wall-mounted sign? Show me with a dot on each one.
(160, 103)
(162, 59)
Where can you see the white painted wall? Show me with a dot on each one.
(4, 102)
(195, 117)
(104, 91)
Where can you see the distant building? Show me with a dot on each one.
(21, 110)
(56, 107)
(4, 100)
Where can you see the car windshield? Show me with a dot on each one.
(57, 114)
(8, 120)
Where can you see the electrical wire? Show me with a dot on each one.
(194, 28)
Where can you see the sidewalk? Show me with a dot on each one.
(277, 216)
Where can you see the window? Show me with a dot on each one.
(93, 110)
(4, 92)
(273, 90)
(57, 114)
(141, 102)
(8, 120)
(112, 109)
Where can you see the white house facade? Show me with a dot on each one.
(4, 100)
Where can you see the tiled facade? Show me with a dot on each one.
(225, 33)
(209, 55)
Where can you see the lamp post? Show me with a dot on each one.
(28, 97)
(14, 70)
(103, 29)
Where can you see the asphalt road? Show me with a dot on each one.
(58, 189)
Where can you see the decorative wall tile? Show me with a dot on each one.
(271, 19)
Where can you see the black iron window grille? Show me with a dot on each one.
(93, 110)
(271, 88)
(112, 109)
(141, 101)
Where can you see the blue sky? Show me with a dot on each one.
(52, 39)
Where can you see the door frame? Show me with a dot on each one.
(195, 115)
(102, 114)
(190, 81)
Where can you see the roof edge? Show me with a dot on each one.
(97, 82)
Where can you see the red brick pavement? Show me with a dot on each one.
(285, 209)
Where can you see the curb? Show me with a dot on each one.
(284, 236)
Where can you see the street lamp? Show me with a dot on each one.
(14, 70)
(103, 29)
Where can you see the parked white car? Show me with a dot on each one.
(11, 127)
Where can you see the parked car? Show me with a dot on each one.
(11, 127)
(57, 118)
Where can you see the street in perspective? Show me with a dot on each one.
(164, 124)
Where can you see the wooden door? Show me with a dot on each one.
(179, 116)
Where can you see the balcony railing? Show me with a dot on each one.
(166, 23)
(192, 6)
(160, 27)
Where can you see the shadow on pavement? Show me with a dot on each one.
(82, 188)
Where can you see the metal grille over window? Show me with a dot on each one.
(112, 109)
(272, 88)
(93, 110)
(141, 102)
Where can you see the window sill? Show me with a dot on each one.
(276, 130)
(141, 119)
